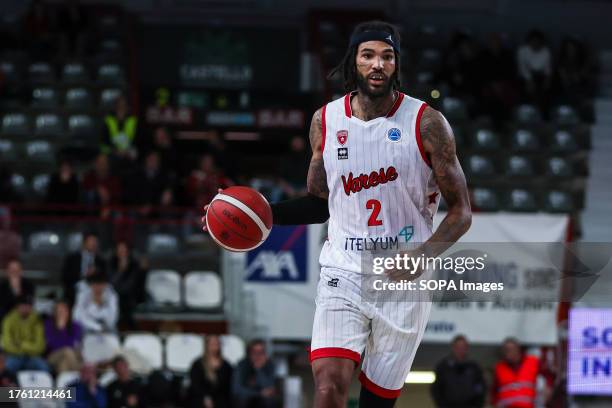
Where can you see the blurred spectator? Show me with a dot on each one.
(515, 377)
(63, 186)
(89, 394)
(14, 286)
(218, 148)
(7, 191)
(294, 168)
(459, 381)
(534, 60)
(163, 144)
(23, 337)
(11, 241)
(210, 377)
(79, 265)
(149, 184)
(120, 130)
(100, 186)
(125, 391)
(7, 378)
(162, 390)
(97, 307)
(461, 69)
(63, 338)
(254, 379)
(498, 92)
(38, 23)
(203, 182)
(574, 69)
(72, 19)
(127, 278)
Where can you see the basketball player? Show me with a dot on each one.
(380, 161)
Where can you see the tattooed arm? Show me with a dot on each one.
(439, 144)
(316, 181)
(312, 208)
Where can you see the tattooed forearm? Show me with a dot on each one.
(317, 179)
(439, 144)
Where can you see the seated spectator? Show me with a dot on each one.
(37, 26)
(459, 382)
(96, 308)
(101, 187)
(89, 394)
(7, 191)
(534, 60)
(254, 379)
(575, 69)
(23, 337)
(498, 82)
(7, 377)
(294, 168)
(14, 286)
(79, 265)
(120, 131)
(204, 181)
(461, 70)
(72, 18)
(163, 145)
(210, 377)
(148, 185)
(126, 276)
(125, 391)
(63, 338)
(11, 241)
(63, 186)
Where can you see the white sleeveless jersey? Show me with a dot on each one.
(382, 193)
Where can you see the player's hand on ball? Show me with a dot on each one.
(203, 219)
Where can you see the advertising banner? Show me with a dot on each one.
(589, 370)
(531, 319)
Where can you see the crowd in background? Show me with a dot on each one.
(493, 77)
(146, 170)
(519, 379)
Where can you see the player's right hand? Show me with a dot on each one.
(203, 219)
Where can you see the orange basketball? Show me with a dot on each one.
(239, 219)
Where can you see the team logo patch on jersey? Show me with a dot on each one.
(394, 134)
(342, 153)
(342, 136)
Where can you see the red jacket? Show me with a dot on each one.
(516, 389)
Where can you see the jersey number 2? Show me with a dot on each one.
(375, 206)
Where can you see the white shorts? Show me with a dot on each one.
(386, 333)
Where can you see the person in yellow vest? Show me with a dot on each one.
(23, 337)
(121, 129)
(515, 378)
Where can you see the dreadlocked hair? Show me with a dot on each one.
(347, 67)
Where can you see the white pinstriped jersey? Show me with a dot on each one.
(382, 192)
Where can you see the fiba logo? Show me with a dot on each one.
(394, 134)
(270, 265)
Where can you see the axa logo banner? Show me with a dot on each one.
(282, 258)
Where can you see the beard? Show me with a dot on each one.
(364, 87)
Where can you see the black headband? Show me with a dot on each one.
(373, 35)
